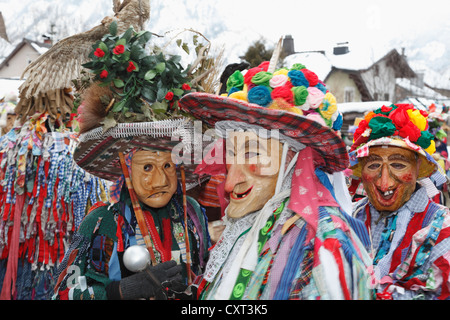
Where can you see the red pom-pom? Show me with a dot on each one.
(410, 130)
(283, 92)
(264, 65)
(312, 78)
(399, 117)
(249, 75)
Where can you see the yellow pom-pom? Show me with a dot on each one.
(328, 106)
(281, 71)
(431, 148)
(417, 118)
(241, 95)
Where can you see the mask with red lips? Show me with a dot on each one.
(389, 175)
(252, 171)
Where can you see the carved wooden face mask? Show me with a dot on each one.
(389, 176)
(154, 179)
(253, 164)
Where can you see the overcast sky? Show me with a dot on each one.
(315, 25)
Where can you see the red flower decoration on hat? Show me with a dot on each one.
(99, 53)
(409, 130)
(131, 66)
(186, 87)
(399, 117)
(103, 74)
(249, 75)
(169, 95)
(283, 92)
(264, 65)
(312, 78)
(119, 49)
(363, 125)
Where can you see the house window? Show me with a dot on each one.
(375, 96)
(386, 97)
(349, 94)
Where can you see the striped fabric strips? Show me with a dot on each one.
(57, 194)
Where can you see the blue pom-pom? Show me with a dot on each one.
(232, 90)
(298, 78)
(321, 87)
(259, 95)
(337, 125)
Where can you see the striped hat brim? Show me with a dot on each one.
(98, 151)
(210, 108)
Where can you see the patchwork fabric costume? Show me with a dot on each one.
(411, 246)
(301, 244)
(94, 266)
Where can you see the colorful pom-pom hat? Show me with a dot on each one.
(293, 101)
(398, 125)
(132, 104)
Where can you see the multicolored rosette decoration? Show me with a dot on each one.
(297, 90)
(400, 120)
(398, 125)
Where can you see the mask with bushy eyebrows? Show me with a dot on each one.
(389, 176)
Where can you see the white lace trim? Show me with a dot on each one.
(175, 128)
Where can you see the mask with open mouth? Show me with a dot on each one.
(252, 165)
(389, 175)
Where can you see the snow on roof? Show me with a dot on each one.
(315, 61)
(419, 91)
(361, 106)
(431, 77)
(38, 48)
(321, 62)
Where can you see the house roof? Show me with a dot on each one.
(355, 61)
(39, 47)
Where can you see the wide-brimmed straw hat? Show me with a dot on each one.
(397, 125)
(132, 104)
(97, 152)
(293, 101)
(291, 126)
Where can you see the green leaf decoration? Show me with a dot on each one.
(118, 83)
(128, 34)
(160, 67)
(160, 107)
(121, 41)
(113, 28)
(185, 48)
(103, 46)
(118, 106)
(178, 92)
(150, 74)
(109, 122)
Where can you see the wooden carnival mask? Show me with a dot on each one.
(154, 178)
(389, 176)
(252, 171)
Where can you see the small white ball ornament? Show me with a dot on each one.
(136, 258)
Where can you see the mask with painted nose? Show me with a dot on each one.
(252, 171)
(154, 179)
(389, 175)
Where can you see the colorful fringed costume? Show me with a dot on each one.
(107, 231)
(301, 244)
(409, 231)
(43, 197)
